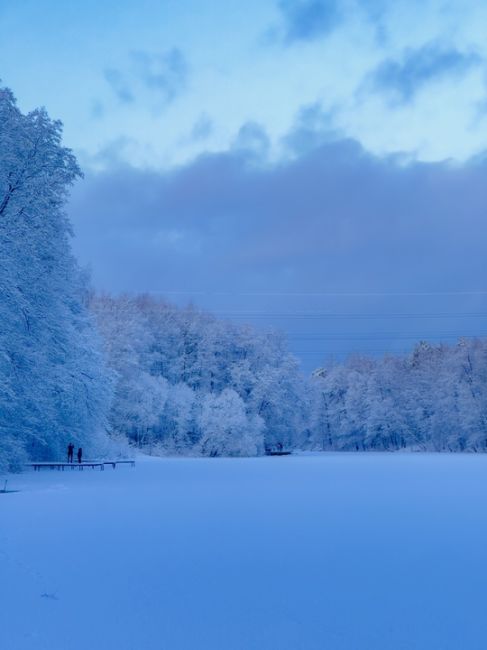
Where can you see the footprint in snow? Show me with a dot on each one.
(49, 596)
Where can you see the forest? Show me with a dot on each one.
(103, 370)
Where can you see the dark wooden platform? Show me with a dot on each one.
(114, 463)
(278, 453)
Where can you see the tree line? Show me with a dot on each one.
(432, 399)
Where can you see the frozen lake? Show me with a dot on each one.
(314, 552)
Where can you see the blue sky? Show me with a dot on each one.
(275, 156)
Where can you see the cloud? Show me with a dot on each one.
(166, 73)
(119, 85)
(164, 76)
(402, 79)
(252, 138)
(97, 110)
(306, 20)
(111, 155)
(202, 128)
(375, 13)
(335, 218)
(314, 126)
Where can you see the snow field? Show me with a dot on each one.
(327, 551)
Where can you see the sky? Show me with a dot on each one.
(314, 165)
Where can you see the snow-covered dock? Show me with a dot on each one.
(61, 466)
(37, 466)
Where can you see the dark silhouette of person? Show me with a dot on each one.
(80, 455)
(70, 452)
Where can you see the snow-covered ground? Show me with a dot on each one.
(313, 552)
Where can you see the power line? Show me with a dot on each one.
(351, 315)
(332, 294)
(334, 315)
(381, 337)
(322, 353)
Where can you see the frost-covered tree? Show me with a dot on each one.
(227, 429)
(53, 385)
(434, 399)
(180, 370)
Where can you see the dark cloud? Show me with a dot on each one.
(234, 235)
(324, 215)
(164, 75)
(402, 79)
(306, 20)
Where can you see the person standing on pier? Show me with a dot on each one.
(80, 454)
(70, 452)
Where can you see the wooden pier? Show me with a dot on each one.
(86, 463)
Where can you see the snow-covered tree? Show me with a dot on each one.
(227, 429)
(53, 385)
(199, 368)
(435, 398)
